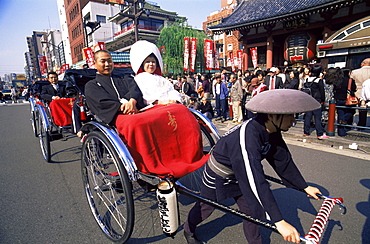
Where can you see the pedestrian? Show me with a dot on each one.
(205, 107)
(272, 81)
(234, 169)
(206, 86)
(341, 84)
(13, 94)
(294, 80)
(365, 95)
(314, 86)
(221, 93)
(236, 95)
(359, 76)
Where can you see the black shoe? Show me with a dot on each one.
(192, 239)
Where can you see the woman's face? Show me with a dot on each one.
(150, 65)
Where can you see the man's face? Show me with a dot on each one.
(284, 122)
(53, 79)
(104, 63)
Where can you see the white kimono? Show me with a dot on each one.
(155, 87)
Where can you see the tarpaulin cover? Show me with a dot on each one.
(165, 139)
(61, 111)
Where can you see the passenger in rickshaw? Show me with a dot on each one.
(163, 140)
(53, 94)
(234, 169)
(54, 90)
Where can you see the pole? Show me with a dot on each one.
(331, 118)
(135, 21)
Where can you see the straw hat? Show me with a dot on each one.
(282, 101)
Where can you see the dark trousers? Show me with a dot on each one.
(317, 118)
(218, 106)
(362, 117)
(224, 108)
(201, 211)
(345, 116)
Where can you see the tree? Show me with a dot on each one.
(172, 39)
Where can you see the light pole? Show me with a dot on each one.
(59, 48)
(138, 10)
(93, 25)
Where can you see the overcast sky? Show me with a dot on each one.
(19, 18)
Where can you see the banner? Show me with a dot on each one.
(231, 56)
(43, 66)
(89, 56)
(254, 56)
(63, 68)
(240, 59)
(99, 46)
(193, 53)
(216, 56)
(208, 54)
(186, 53)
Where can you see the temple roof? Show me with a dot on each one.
(252, 13)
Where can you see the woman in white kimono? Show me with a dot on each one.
(146, 62)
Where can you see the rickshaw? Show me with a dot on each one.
(109, 172)
(51, 120)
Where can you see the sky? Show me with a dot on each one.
(19, 18)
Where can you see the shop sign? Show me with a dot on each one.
(360, 50)
(296, 23)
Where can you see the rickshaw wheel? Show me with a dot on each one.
(107, 187)
(44, 137)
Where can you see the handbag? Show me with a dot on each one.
(351, 100)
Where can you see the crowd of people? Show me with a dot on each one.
(233, 90)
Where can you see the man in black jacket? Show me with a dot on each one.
(106, 96)
(54, 90)
(272, 81)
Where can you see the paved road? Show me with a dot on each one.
(44, 203)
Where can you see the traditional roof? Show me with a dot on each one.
(253, 13)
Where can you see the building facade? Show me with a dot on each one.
(286, 31)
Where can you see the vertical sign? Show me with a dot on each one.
(254, 56)
(208, 54)
(216, 63)
(240, 59)
(89, 55)
(193, 54)
(186, 53)
(231, 56)
(43, 66)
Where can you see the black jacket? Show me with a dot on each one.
(48, 91)
(102, 99)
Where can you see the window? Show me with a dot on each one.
(101, 19)
(229, 47)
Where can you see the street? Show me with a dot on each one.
(44, 202)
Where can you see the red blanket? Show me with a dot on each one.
(165, 139)
(61, 111)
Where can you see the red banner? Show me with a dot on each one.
(193, 53)
(231, 56)
(208, 54)
(43, 66)
(216, 56)
(254, 56)
(186, 53)
(240, 59)
(89, 56)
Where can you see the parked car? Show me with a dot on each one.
(7, 96)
